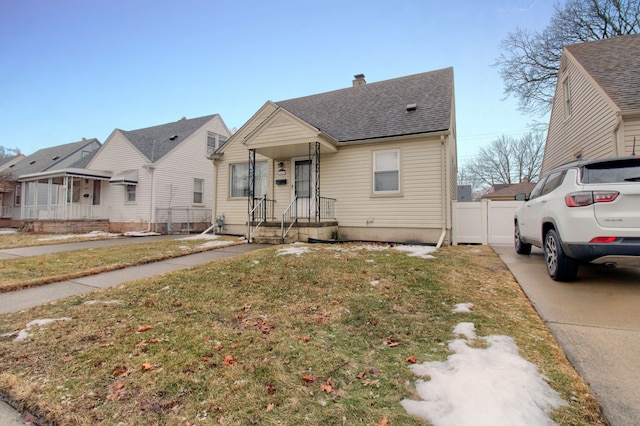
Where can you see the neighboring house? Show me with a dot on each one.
(7, 186)
(370, 162)
(507, 192)
(596, 107)
(35, 186)
(160, 178)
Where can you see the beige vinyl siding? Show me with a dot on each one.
(282, 129)
(631, 130)
(118, 155)
(590, 127)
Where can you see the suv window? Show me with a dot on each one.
(612, 171)
(553, 181)
(535, 192)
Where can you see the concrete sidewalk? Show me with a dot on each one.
(15, 301)
(18, 300)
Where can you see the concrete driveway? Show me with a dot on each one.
(596, 320)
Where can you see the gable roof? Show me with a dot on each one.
(155, 142)
(377, 110)
(509, 191)
(46, 158)
(613, 63)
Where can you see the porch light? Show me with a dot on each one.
(281, 170)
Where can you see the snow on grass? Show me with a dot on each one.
(141, 234)
(103, 302)
(92, 234)
(24, 333)
(417, 251)
(463, 308)
(294, 249)
(482, 386)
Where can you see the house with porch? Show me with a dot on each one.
(37, 186)
(596, 105)
(372, 162)
(152, 179)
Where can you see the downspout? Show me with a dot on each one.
(444, 190)
(616, 127)
(150, 168)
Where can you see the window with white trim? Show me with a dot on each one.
(130, 193)
(198, 190)
(386, 171)
(240, 179)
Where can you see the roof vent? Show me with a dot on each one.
(359, 80)
(32, 162)
(174, 137)
(412, 106)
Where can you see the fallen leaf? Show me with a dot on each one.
(270, 407)
(411, 359)
(228, 360)
(119, 371)
(308, 379)
(144, 328)
(271, 389)
(392, 343)
(361, 374)
(303, 338)
(383, 421)
(374, 372)
(146, 366)
(326, 388)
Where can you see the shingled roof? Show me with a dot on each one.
(155, 142)
(613, 63)
(380, 109)
(46, 158)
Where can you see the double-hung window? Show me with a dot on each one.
(386, 171)
(240, 179)
(198, 190)
(130, 193)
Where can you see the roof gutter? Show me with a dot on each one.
(395, 138)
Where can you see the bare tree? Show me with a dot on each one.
(506, 160)
(530, 61)
(8, 152)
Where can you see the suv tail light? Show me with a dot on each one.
(586, 198)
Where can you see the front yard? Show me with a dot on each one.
(302, 334)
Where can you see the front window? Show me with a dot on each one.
(386, 171)
(240, 180)
(198, 189)
(130, 194)
(18, 195)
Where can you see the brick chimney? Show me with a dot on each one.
(525, 179)
(359, 80)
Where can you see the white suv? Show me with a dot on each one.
(583, 211)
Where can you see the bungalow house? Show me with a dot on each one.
(373, 161)
(7, 186)
(596, 106)
(38, 191)
(159, 178)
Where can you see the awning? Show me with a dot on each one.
(126, 177)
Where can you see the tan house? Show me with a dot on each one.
(374, 162)
(596, 107)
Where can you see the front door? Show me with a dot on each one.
(303, 187)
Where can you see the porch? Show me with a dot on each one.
(305, 213)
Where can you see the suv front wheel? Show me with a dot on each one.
(559, 266)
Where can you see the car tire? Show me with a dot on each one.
(521, 247)
(559, 266)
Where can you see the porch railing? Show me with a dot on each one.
(263, 210)
(62, 212)
(302, 208)
(5, 211)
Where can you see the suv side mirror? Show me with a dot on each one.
(521, 197)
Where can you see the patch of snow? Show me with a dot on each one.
(375, 283)
(418, 251)
(184, 247)
(104, 302)
(141, 234)
(24, 333)
(466, 329)
(8, 231)
(200, 237)
(490, 386)
(216, 244)
(295, 249)
(463, 308)
(92, 234)
(256, 262)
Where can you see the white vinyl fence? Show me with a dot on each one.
(484, 222)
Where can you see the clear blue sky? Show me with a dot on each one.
(81, 68)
